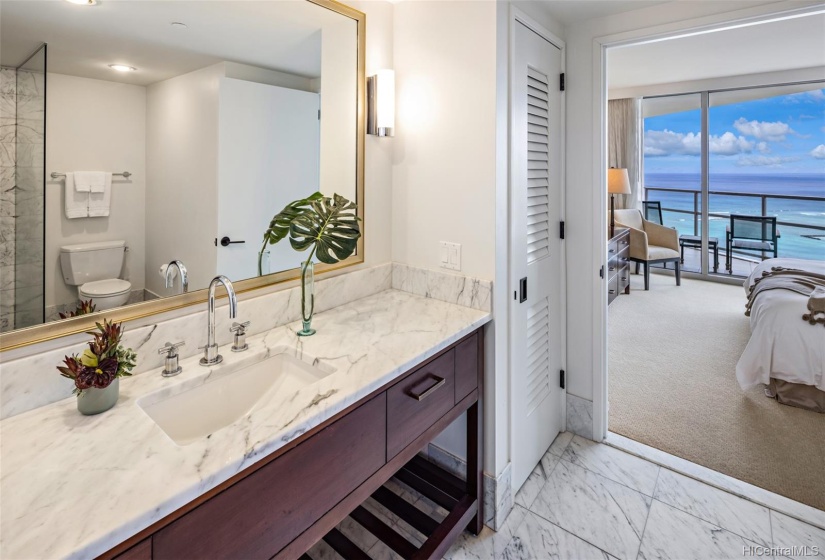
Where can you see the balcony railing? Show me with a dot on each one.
(801, 218)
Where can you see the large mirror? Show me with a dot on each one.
(139, 133)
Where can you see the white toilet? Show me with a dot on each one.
(94, 268)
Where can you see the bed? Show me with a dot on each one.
(784, 353)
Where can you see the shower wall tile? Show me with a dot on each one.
(8, 81)
(8, 139)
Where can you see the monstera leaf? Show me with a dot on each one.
(330, 229)
(279, 226)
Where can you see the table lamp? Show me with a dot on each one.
(617, 183)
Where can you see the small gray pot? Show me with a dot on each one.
(94, 401)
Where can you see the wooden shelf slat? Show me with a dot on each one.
(437, 476)
(384, 532)
(453, 525)
(343, 546)
(426, 488)
(410, 514)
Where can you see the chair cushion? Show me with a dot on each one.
(631, 218)
(752, 244)
(654, 253)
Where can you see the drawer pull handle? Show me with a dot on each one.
(624, 278)
(439, 381)
(611, 292)
(612, 268)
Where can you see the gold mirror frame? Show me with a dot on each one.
(65, 327)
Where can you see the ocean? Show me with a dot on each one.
(802, 241)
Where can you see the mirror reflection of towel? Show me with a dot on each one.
(100, 197)
(77, 203)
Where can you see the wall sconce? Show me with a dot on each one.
(381, 103)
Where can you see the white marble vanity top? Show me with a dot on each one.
(73, 486)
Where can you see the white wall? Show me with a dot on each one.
(586, 206)
(445, 148)
(182, 176)
(95, 125)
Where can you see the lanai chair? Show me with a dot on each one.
(751, 235)
(650, 243)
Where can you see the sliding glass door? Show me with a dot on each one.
(759, 162)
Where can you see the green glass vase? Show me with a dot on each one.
(307, 298)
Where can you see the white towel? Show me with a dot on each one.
(99, 201)
(77, 203)
(91, 181)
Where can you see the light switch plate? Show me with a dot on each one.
(450, 255)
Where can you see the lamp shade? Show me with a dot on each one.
(617, 181)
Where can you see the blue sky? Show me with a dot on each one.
(775, 135)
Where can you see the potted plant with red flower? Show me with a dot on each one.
(97, 370)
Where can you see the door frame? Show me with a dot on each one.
(517, 16)
(672, 30)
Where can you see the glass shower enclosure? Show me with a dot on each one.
(22, 191)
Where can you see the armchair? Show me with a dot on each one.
(650, 243)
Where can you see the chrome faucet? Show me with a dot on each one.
(210, 351)
(184, 277)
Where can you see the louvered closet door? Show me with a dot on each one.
(536, 249)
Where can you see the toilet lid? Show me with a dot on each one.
(109, 287)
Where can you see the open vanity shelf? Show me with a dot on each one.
(447, 491)
(288, 501)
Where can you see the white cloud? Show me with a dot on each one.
(763, 148)
(771, 131)
(765, 161)
(729, 144)
(818, 152)
(669, 143)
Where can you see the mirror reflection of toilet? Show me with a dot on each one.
(94, 268)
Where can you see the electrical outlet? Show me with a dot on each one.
(450, 255)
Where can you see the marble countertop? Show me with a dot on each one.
(74, 486)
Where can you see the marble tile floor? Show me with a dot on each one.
(590, 500)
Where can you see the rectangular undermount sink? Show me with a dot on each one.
(215, 400)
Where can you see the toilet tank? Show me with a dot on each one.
(87, 262)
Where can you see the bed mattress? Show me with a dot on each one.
(782, 345)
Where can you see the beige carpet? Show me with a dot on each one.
(672, 385)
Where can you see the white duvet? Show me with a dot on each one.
(782, 345)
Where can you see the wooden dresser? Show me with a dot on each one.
(618, 264)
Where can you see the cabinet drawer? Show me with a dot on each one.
(418, 400)
(612, 288)
(141, 551)
(623, 278)
(466, 367)
(258, 516)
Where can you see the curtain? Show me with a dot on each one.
(624, 145)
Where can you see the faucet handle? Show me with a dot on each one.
(170, 364)
(239, 340)
(171, 349)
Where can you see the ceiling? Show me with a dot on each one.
(767, 47)
(84, 40)
(572, 11)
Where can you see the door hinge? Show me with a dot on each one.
(561, 229)
(561, 81)
(319, 114)
(216, 242)
(601, 272)
(561, 378)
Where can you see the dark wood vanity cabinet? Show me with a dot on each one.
(284, 504)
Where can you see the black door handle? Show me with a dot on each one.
(522, 284)
(226, 241)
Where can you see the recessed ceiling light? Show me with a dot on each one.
(83, 2)
(178, 25)
(122, 68)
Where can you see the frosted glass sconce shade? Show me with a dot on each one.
(381, 103)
